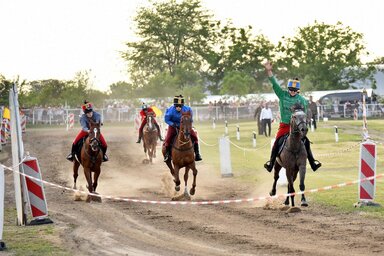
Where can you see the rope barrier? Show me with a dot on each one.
(210, 202)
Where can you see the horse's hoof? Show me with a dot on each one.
(304, 203)
(96, 199)
(192, 191)
(272, 193)
(284, 208)
(293, 209)
(177, 188)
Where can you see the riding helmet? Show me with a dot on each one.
(144, 106)
(294, 83)
(178, 100)
(87, 107)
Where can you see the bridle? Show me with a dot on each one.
(298, 123)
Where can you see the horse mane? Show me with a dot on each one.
(186, 113)
(297, 107)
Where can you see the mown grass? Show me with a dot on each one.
(340, 160)
(30, 240)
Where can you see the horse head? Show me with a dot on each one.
(186, 124)
(94, 135)
(298, 120)
(150, 124)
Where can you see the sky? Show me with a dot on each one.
(55, 39)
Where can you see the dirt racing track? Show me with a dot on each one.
(116, 227)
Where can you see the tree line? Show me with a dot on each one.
(182, 48)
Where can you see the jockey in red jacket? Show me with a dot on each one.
(145, 110)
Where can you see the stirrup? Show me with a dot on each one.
(105, 158)
(268, 165)
(70, 157)
(316, 165)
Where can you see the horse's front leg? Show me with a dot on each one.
(291, 190)
(186, 174)
(194, 172)
(76, 165)
(88, 177)
(302, 185)
(277, 169)
(96, 178)
(176, 178)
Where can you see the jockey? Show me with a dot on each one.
(172, 118)
(96, 117)
(286, 100)
(145, 110)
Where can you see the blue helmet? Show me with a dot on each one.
(144, 106)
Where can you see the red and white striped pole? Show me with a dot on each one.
(23, 122)
(35, 189)
(367, 172)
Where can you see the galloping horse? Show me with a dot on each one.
(150, 135)
(183, 154)
(90, 156)
(293, 156)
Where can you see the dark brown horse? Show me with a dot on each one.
(183, 155)
(293, 156)
(150, 135)
(90, 157)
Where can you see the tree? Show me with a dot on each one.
(327, 55)
(236, 83)
(171, 33)
(240, 51)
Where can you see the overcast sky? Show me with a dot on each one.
(44, 39)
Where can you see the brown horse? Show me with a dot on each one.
(183, 155)
(90, 157)
(150, 135)
(293, 156)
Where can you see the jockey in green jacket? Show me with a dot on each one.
(286, 100)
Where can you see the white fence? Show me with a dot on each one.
(58, 116)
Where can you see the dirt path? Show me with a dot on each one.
(122, 228)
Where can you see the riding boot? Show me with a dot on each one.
(269, 164)
(167, 155)
(314, 163)
(139, 139)
(197, 152)
(105, 157)
(158, 129)
(71, 155)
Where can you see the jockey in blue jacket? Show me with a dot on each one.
(89, 113)
(172, 118)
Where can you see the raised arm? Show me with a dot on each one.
(268, 68)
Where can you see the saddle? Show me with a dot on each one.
(281, 143)
(78, 147)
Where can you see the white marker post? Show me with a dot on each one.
(225, 157)
(254, 139)
(214, 123)
(237, 132)
(336, 134)
(226, 127)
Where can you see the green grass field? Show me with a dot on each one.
(340, 160)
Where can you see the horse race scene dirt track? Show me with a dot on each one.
(164, 227)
